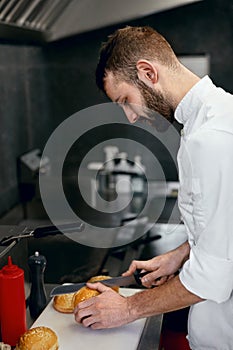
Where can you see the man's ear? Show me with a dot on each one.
(147, 72)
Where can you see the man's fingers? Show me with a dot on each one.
(150, 277)
(84, 305)
(132, 268)
(136, 265)
(100, 287)
(82, 311)
(155, 282)
(160, 281)
(89, 321)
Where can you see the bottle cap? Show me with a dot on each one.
(37, 259)
(10, 269)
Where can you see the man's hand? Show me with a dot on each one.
(162, 267)
(107, 310)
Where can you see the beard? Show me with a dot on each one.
(156, 103)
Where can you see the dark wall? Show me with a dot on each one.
(23, 107)
(40, 86)
(203, 27)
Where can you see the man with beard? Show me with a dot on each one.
(139, 70)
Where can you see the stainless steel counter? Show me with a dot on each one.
(150, 337)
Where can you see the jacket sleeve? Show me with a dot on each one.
(209, 271)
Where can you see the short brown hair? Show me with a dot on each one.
(126, 46)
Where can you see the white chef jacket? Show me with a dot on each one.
(205, 161)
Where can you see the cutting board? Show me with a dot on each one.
(72, 335)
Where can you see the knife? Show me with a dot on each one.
(121, 281)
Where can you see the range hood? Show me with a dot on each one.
(52, 20)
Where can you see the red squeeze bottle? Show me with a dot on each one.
(12, 303)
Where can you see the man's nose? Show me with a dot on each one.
(131, 115)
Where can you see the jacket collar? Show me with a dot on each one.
(187, 109)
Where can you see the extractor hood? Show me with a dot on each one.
(52, 20)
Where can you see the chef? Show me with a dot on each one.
(139, 70)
